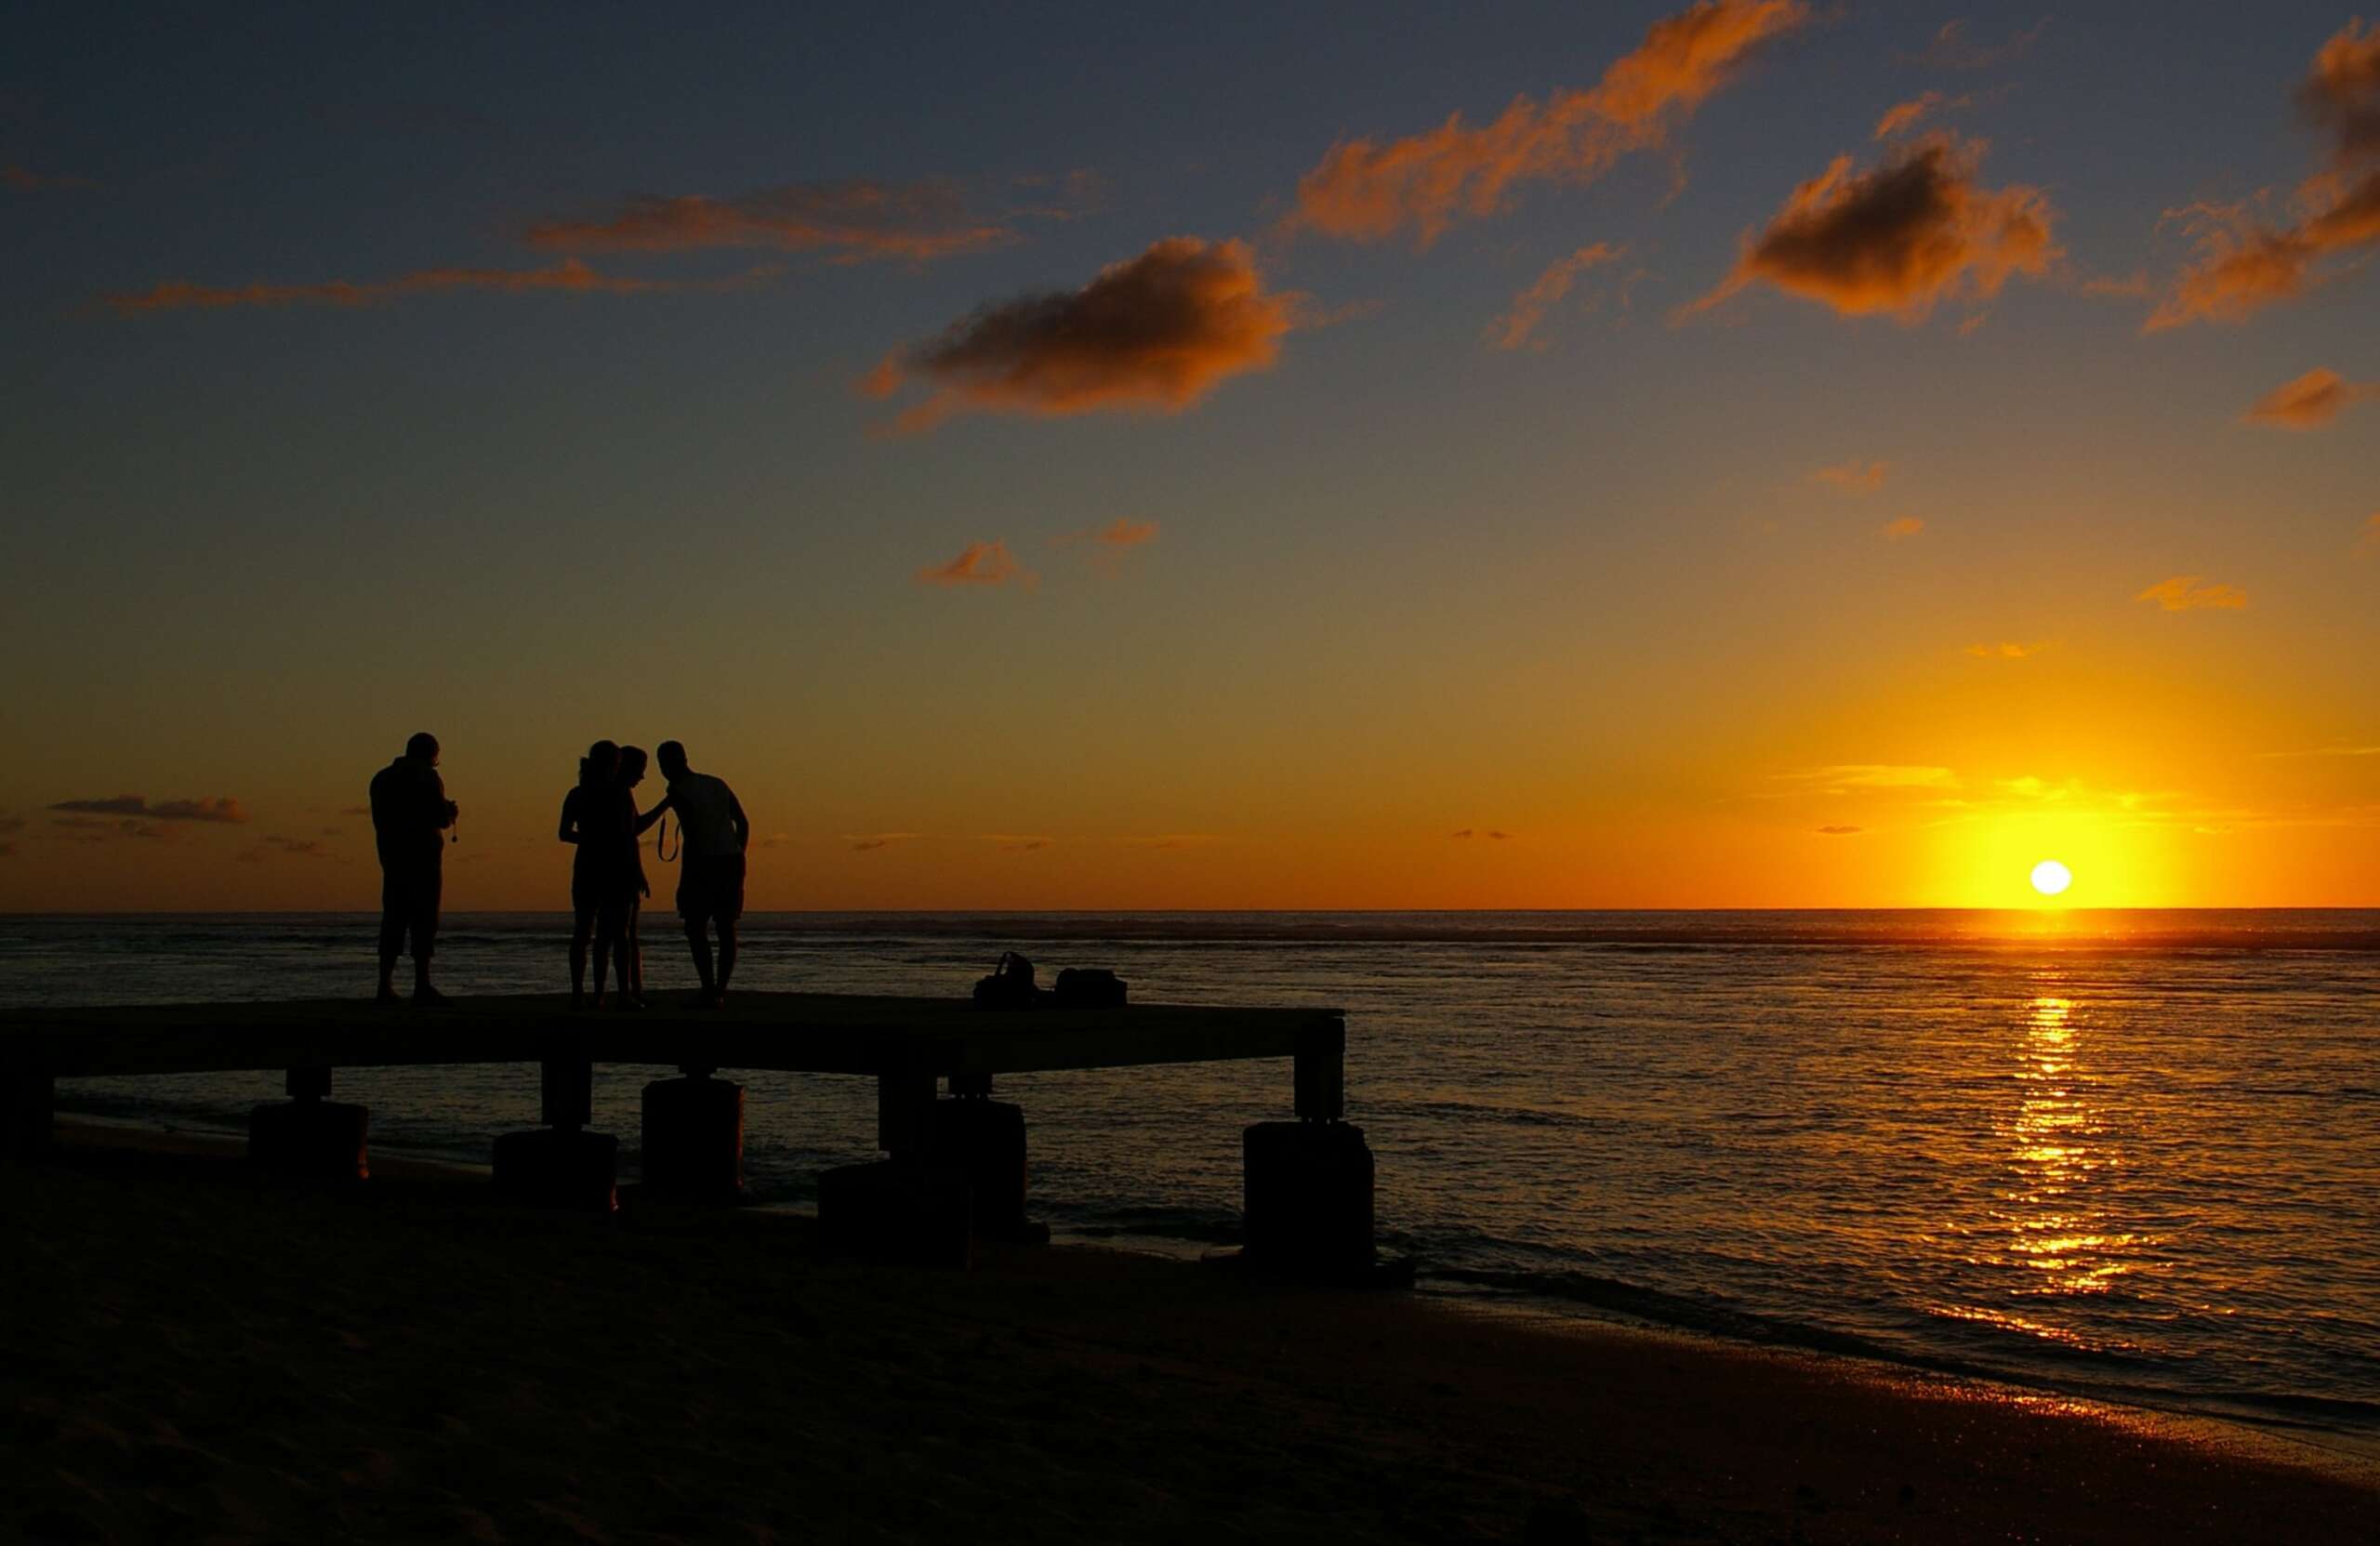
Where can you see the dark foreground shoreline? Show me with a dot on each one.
(192, 1351)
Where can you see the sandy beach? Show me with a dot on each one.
(196, 1353)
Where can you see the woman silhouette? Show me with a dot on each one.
(599, 816)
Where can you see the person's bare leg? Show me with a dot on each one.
(388, 974)
(634, 954)
(700, 942)
(602, 961)
(581, 929)
(726, 952)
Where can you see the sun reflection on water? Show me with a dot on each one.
(2050, 1225)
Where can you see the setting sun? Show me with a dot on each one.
(2051, 878)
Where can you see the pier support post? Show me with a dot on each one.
(309, 1134)
(561, 1165)
(908, 1208)
(984, 1140)
(28, 1124)
(694, 1137)
(1308, 1197)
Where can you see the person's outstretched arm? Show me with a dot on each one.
(743, 823)
(652, 815)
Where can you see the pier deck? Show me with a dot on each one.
(907, 1044)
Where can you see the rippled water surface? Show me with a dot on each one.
(2137, 1158)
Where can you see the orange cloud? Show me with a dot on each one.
(978, 563)
(1116, 535)
(1153, 333)
(917, 221)
(570, 275)
(1898, 239)
(1906, 526)
(2183, 593)
(2372, 533)
(1852, 477)
(2343, 92)
(221, 807)
(867, 842)
(1513, 330)
(2008, 650)
(1366, 192)
(2311, 402)
(2243, 266)
(1839, 831)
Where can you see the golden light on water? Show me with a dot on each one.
(2051, 877)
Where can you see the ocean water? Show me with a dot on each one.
(2126, 1156)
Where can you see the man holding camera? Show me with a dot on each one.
(410, 815)
(710, 882)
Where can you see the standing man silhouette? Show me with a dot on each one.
(410, 815)
(710, 882)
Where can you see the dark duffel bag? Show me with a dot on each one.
(1090, 987)
(1009, 987)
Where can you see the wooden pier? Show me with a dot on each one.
(912, 1048)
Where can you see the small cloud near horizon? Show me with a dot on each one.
(1839, 831)
(2311, 402)
(1852, 477)
(867, 842)
(218, 808)
(2005, 649)
(1897, 239)
(979, 564)
(1154, 334)
(1842, 777)
(2185, 593)
(1902, 526)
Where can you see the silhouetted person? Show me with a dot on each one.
(410, 815)
(599, 816)
(710, 878)
(631, 947)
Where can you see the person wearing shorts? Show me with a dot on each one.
(715, 831)
(410, 815)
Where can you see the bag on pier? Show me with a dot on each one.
(1090, 988)
(1009, 987)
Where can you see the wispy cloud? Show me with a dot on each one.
(1365, 190)
(568, 277)
(867, 842)
(2187, 593)
(1842, 777)
(1905, 117)
(1516, 327)
(2329, 751)
(218, 808)
(2244, 265)
(1018, 842)
(854, 220)
(2311, 402)
(1154, 334)
(1841, 831)
(1915, 230)
(979, 564)
(1901, 527)
(1852, 477)
(24, 179)
(1108, 548)
(1952, 48)
(2007, 649)
(295, 848)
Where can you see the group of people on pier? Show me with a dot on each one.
(412, 818)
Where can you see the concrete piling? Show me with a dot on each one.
(1308, 1197)
(561, 1165)
(694, 1137)
(984, 1141)
(309, 1134)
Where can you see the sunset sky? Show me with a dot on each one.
(1753, 454)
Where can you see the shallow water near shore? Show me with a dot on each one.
(2130, 1157)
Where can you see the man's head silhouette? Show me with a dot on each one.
(671, 754)
(423, 749)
